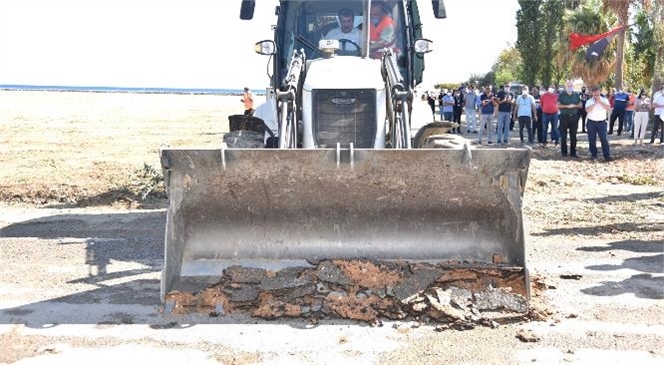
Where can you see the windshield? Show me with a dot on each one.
(302, 24)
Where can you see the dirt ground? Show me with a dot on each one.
(82, 228)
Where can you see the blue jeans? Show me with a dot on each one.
(629, 120)
(448, 116)
(553, 118)
(595, 129)
(471, 120)
(503, 132)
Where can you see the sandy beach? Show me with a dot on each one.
(46, 137)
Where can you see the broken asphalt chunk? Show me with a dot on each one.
(422, 276)
(289, 277)
(500, 299)
(328, 271)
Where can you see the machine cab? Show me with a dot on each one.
(303, 24)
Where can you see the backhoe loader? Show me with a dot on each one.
(339, 171)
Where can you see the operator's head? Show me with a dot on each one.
(346, 19)
(595, 90)
(378, 11)
(246, 89)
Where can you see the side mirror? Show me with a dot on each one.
(439, 9)
(266, 47)
(423, 46)
(247, 9)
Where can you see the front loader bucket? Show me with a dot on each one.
(275, 208)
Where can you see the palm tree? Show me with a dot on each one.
(588, 19)
(621, 9)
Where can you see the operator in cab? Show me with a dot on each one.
(381, 31)
(347, 31)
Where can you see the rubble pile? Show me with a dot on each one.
(462, 295)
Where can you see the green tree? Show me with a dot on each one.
(488, 79)
(552, 27)
(658, 35)
(643, 44)
(480, 81)
(635, 74)
(507, 66)
(475, 79)
(529, 39)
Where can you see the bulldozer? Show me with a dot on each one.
(347, 163)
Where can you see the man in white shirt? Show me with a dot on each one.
(346, 31)
(596, 107)
(658, 104)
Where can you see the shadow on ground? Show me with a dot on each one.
(132, 236)
(641, 285)
(626, 198)
(109, 237)
(628, 245)
(607, 228)
(644, 285)
(119, 297)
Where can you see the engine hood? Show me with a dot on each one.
(344, 72)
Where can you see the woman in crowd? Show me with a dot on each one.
(641, 113)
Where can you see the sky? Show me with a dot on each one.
(203, 43)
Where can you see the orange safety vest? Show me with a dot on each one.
(248, 101)
(375, 32)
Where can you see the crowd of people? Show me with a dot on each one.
(551, 115)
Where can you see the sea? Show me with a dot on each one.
(137, 90)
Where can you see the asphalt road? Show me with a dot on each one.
(82, 286)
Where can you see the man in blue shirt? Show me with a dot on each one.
(619, 104)
(525, 112)
(486, 115)
(448, 106)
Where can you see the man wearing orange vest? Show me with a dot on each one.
(248, 101)
(381, 30)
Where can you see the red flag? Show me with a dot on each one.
(578, 40)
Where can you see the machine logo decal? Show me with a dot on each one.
(343, 101)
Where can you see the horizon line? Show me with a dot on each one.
(137, 89)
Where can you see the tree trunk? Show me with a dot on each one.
(620, 55)
(658, 73)
(621, 9)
